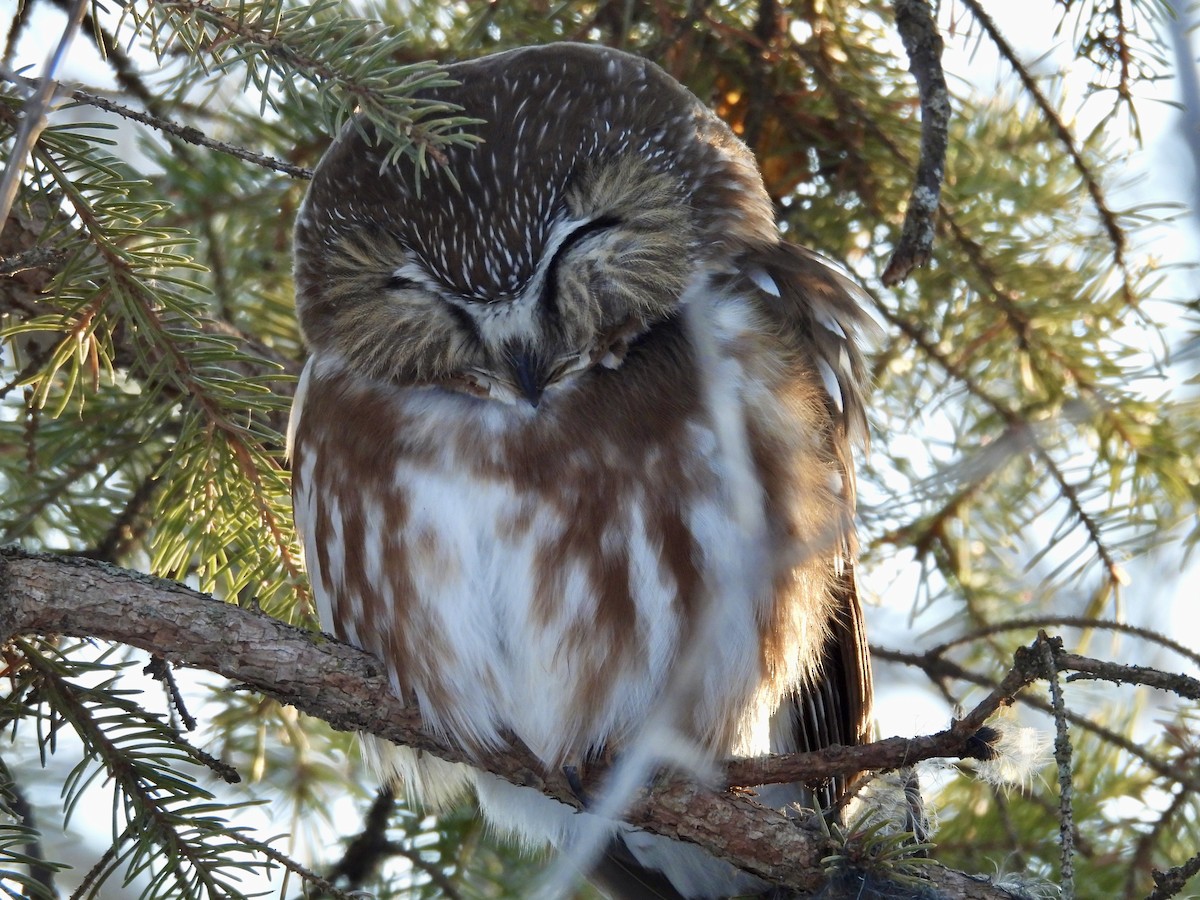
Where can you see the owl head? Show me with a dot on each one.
(544, 251)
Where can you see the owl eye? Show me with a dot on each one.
(400, 283)
(581, 233)
(466, 323)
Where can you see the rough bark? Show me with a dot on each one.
(320, 676)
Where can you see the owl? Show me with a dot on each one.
(506, 473)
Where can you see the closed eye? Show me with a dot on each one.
(582, 233)
(466, 322)
(400, 283)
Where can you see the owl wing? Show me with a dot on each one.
(836, 709)
(819, 312)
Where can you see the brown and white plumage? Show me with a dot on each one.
(504, 472)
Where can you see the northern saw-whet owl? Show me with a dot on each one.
(504, 468)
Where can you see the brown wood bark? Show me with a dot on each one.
(320, 676)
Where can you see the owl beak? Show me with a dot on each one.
(527, 369)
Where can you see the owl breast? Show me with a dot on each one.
(537, 571)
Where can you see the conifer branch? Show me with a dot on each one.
(348, 688)
(109, 320)
(1019, 436)
(345, 60)
(172, 828)
(940, 668)
(191, 135)
(1112, 227)
(41, 594)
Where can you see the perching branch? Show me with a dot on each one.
(346, 687)
(44, 594)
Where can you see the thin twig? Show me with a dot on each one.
(1171, 882)
(191, 135)
(187, 133)
(940, 668)
(959, 740)
(1062, 755)
(1039, 622)
(1107, 216)
(923, 44)
(99, 871)
(306, 874)
(368, 849)
(160, 670)
(33, 117)
(1095, 669)
(33, 258)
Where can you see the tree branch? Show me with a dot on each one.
(1111, 224)
(320, 676)
(923, 43)
(1094, 669)
(192, 135)
(33, 113)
